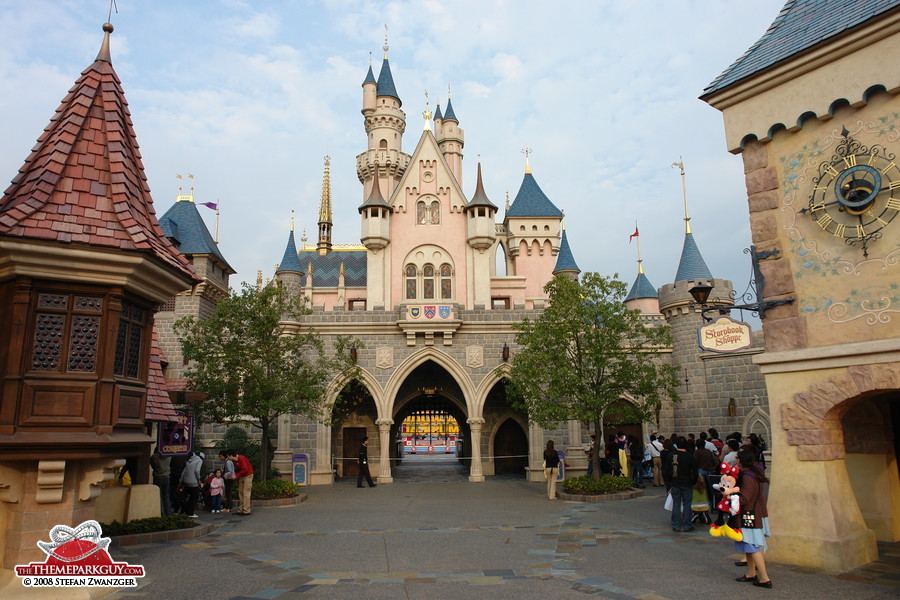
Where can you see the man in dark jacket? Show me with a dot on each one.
(364, 465)
(683, 469)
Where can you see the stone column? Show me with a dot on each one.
(475, 472)
(535, 452)
(282, 459)
(575, 454)
(384, 438)
(321, 468)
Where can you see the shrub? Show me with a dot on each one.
(165, 523)
(273, 488)
(237, 439)
(587, 485)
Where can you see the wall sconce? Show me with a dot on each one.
(732, 407)
(353, 354)
(505, 353)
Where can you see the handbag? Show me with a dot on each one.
(748, 519)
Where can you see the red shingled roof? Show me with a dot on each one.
(84, 181)
(159, 407)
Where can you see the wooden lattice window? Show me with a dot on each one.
(66, 332)
(130, 340)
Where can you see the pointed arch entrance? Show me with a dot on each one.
(430, 426)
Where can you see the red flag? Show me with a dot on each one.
(635, 234)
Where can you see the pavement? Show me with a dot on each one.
(432, 534)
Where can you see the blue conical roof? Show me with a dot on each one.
(437, 112)
(386, 82)
(564, 260)
(290, 261)
(183, 225)
(692, 267)
(370, 77)
(642, 288)
(531, 201)
(449, 115)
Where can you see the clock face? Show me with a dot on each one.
(856, 194)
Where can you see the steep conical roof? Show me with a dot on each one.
(479, 198)
(386, 82)
(564, 260)
(642, 288)
(449, 115)
(437, 111)
(184, 226)
(691, 267)
(370, 76)
(375, 198)
(531, 201)
(84, 182)
(290, 261)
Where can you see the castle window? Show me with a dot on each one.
(428, 215)
(411, 282)
(446, 282)
(435, 213)
(428, 282)
(382, 145)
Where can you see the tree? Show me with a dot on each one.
(587, 351)
(255, 362)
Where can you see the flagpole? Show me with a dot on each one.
(218, 203)
(640, 262)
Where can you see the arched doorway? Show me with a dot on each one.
(430, 431)
(353, 417)
(510, 449)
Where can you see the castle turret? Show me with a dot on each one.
(384, 125)
(451, 140)
(324, 243)
(290, 272)
(375, 236)
(481, 234)
(565, 262)
(642, 296)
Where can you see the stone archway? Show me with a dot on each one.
(823, 424)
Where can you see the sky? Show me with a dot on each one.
(249, 96)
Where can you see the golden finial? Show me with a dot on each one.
(527, 152)
(427, 114)
(325, 201)
(259, 280)
(687, 217)
(292, 219)
(342, 267)
(385, 41)
(303, 238)
(182, 197)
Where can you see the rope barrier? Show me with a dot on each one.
(438, 457)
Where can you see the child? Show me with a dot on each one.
(700, 503)
(216, 486)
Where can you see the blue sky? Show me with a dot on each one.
(249, 97)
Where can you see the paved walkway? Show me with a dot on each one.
(452, 539)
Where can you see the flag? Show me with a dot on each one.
(635, 234)
(213, 205)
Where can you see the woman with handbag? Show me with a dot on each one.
(551, 469)
(754, 519)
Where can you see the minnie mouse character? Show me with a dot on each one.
(729, 504)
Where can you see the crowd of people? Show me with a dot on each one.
(182, 487)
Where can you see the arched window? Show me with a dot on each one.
(410, 282)
(382, 145)
(435, 213)
(421, 213)
(446, 282)
(428, 282)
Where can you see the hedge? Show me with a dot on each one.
(273, 488)
(166, 523)
(589, 486)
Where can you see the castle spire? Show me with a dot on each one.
(324, 245)
(687, 217)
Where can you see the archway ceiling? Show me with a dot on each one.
(429, 375)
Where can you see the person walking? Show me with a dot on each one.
(161, 474)
(683, 468)
(228, 476)
(655, 448)
(754, 519)
(243, 472)
(190, 479)
(551, 469)
(363, 461)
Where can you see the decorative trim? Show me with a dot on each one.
(95, 472)
(50, 478)
(474, 356)
(384, 357)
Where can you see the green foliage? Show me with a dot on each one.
(165, 523)
(590, 486)
(273, 488)
(587, 351)
(256, 361)
(236, 438)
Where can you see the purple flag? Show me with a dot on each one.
(211, 205)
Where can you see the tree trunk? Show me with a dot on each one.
(599, 446)
(264, 450)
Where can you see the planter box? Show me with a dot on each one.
(299, 498)
(173, 535)
(601, 497)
